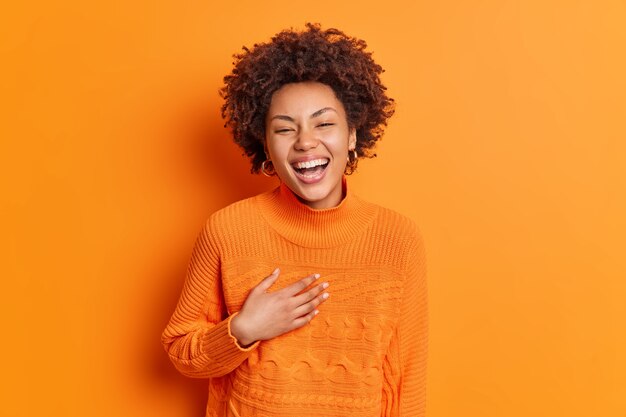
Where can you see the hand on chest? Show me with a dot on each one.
(364, 300)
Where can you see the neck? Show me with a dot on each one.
(310, 227)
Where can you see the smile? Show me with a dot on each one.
(311, 171)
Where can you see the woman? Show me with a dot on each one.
(305, 107)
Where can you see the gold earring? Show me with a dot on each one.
(263, 170)
(352, 162)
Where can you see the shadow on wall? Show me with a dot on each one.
(178, 388)
(214, 165)
(219, 164)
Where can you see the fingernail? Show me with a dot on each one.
(325, 295)
(276, 271)
(316, 276)
(317, 312)
(325, 285)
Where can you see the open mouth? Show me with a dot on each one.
(311, 169)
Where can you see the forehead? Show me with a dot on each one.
(303, 98)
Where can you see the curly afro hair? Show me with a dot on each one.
(327, 56)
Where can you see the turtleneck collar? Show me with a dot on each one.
(315, 228)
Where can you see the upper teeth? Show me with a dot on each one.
(310, 164)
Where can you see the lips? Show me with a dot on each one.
(310, 171)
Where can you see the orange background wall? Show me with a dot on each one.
(508, 148)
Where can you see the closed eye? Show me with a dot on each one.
(325, 124)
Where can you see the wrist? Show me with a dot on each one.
(238, 330)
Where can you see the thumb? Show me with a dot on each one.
(268, 281)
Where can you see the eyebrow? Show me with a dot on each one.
(316, 114)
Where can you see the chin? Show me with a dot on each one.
(306, 193)
(313, 197)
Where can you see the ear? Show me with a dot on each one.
(352, 139)
(265, 150)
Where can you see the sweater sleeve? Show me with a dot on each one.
(404, 367)
(197, 338)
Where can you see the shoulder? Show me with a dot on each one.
(233, 212)
(397, 235)
(234, 218)
(391, 222)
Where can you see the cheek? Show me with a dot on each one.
(277, 153)
(271, 147)
(339, 147)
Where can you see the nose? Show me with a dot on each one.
(306, 140)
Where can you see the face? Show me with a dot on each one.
(308, 140)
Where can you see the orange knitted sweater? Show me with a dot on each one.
(364, 354)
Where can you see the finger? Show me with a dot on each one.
(311, 305)
(267, 282)
(301, 321)
(309, 295)
(298, 286)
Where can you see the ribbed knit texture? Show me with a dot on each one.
(365, 354)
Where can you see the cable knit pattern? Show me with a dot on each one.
(364, 355)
